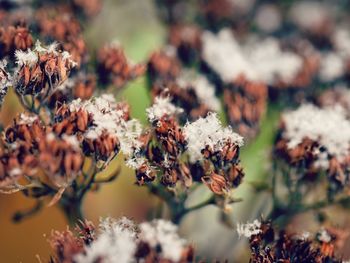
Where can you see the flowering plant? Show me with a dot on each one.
(228, 68)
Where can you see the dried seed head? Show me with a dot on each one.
(115, 67)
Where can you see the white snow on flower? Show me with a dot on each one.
(224, 55)
(135, 162)
(208, 132)
(259, 60)
(271, 63)
(162, 107)
(31, 56)
(341, 40)
(15, 172)
(106, 118)
(164, 234)
(324, 236)
(5, 80)
(52, 48)
(305, 235)
(332, 67)
(268, 18)
(28, 58)
(26, 119)
(72, 140)
(67, 85)
(249, 229)
(129, 137)
(328, 126)
(115, 243)
(309, 14)
(204, 90)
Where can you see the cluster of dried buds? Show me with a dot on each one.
(5, 80)
(245, 104)
(33, 151)
(315, 140)
(41, 70)
(121, 241)
(13, 38)
(114, 67)
(201, 151)
(187, 89)
(103, 126)
(59, 24)
(267, 246)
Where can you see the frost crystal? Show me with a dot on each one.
(162, 107)
(309, 14)
(208, 132)
(106, 118)
(249, 229)
(116, 243)
(163, 234)
(204, 90)
(5, 80)
(324, 236)
(328, 126)
(342, 41)
(271, 63)
(268, 18)
(224, 55)
(332, 67)
(257, 60)
(27, 119)
(31, 57)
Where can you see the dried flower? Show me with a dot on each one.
(5, 80)
(115, 67)
(123, 241)
(208, 134)
(41, 70)
(250, 229)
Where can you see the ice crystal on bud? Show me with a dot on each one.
(223, 53)
(5, 80)
(28, 57)
(249, 229)
(257, 60)
(107, 118)
(208, 132)
(204, 90)
(309, 14)
(324, 236)
(116, 243)
(163, 234)
(162, 107)
(332, 67)
(327, 126)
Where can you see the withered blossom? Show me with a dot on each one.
(41, 70)
(164, 64)
(187, 41)
(314, 139)
(114, 67)
(121, 241)
(103, 123)
(5, 80)
(80, 86)
(245, 103)
(267, 246)
(13, 38)
(60, 24)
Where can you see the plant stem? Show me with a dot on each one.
(72, 210)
